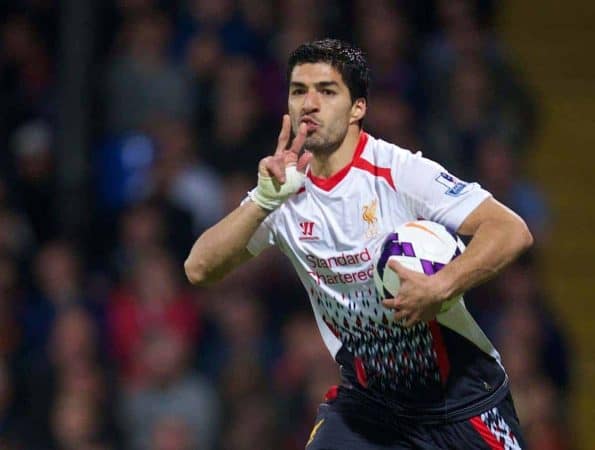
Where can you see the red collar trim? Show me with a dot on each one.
(327, 184)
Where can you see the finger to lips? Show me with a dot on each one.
(283, 135)
(300, 138)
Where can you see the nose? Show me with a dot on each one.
(311, 102)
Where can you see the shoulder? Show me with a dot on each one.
(387, 154)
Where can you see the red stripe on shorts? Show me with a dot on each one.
(486, 434)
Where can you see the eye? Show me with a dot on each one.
(298, 91)
(328, 92)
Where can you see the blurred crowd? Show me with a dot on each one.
(103, 343)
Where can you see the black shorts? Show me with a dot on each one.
(337, 428)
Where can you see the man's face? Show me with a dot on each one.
(319, 97)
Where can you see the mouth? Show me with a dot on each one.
(311, 124)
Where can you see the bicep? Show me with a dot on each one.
(231, 264)
(490, 210)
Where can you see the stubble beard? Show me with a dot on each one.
(324, 145)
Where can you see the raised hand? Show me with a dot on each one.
(419, 297)
(282, 174)
(274, 166)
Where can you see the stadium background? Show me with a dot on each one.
(128, 126)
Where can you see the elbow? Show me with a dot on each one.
(195, 272)
(527, 239)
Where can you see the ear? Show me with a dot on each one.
(358, 110)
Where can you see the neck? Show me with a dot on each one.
(325, 165)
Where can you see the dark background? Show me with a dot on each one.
(128, 127)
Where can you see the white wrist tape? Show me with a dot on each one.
(269, 194)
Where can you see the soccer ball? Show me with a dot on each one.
(423, 246)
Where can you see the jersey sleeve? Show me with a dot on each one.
(432, 193)
(263, 237)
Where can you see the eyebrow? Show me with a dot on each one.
(320, 84)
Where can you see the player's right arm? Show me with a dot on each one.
(222, 248)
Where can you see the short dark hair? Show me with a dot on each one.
(348, 60)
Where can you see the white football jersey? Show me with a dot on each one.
(330, 230)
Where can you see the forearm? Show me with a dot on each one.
(223, 246)
(494, 245)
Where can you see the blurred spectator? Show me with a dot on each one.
(10, 299)
(240, 134)
(12, 429)
(141, 228)
(393, 119)
(203, 58)
(172, 433)
(302, 375)
(237, 185)
(536, 356)
(385, 37)
(471, 114)
(70, 379)
(252, 422)
(25, 76)
(298, 22)
(461, 40)
(536, 400)
(150, 302)
(141, 82)
(226, 21)
(239, 336)
(303, 352)
(170, 395)
(527, 312)
(259, 16)
(184, 178)
(59, 279)
(16, 233)
(131, 8)
(459, 36)
(497, 168)
(153, 223)
(35, 184)
(76, 424)
(124, 164)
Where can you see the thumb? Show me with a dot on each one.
(304, 160)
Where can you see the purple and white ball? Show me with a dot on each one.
(422, 246)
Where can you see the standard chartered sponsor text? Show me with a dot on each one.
(344, 259)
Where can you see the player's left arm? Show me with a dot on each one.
(498, 237)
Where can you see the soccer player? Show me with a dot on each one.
(411, 378)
